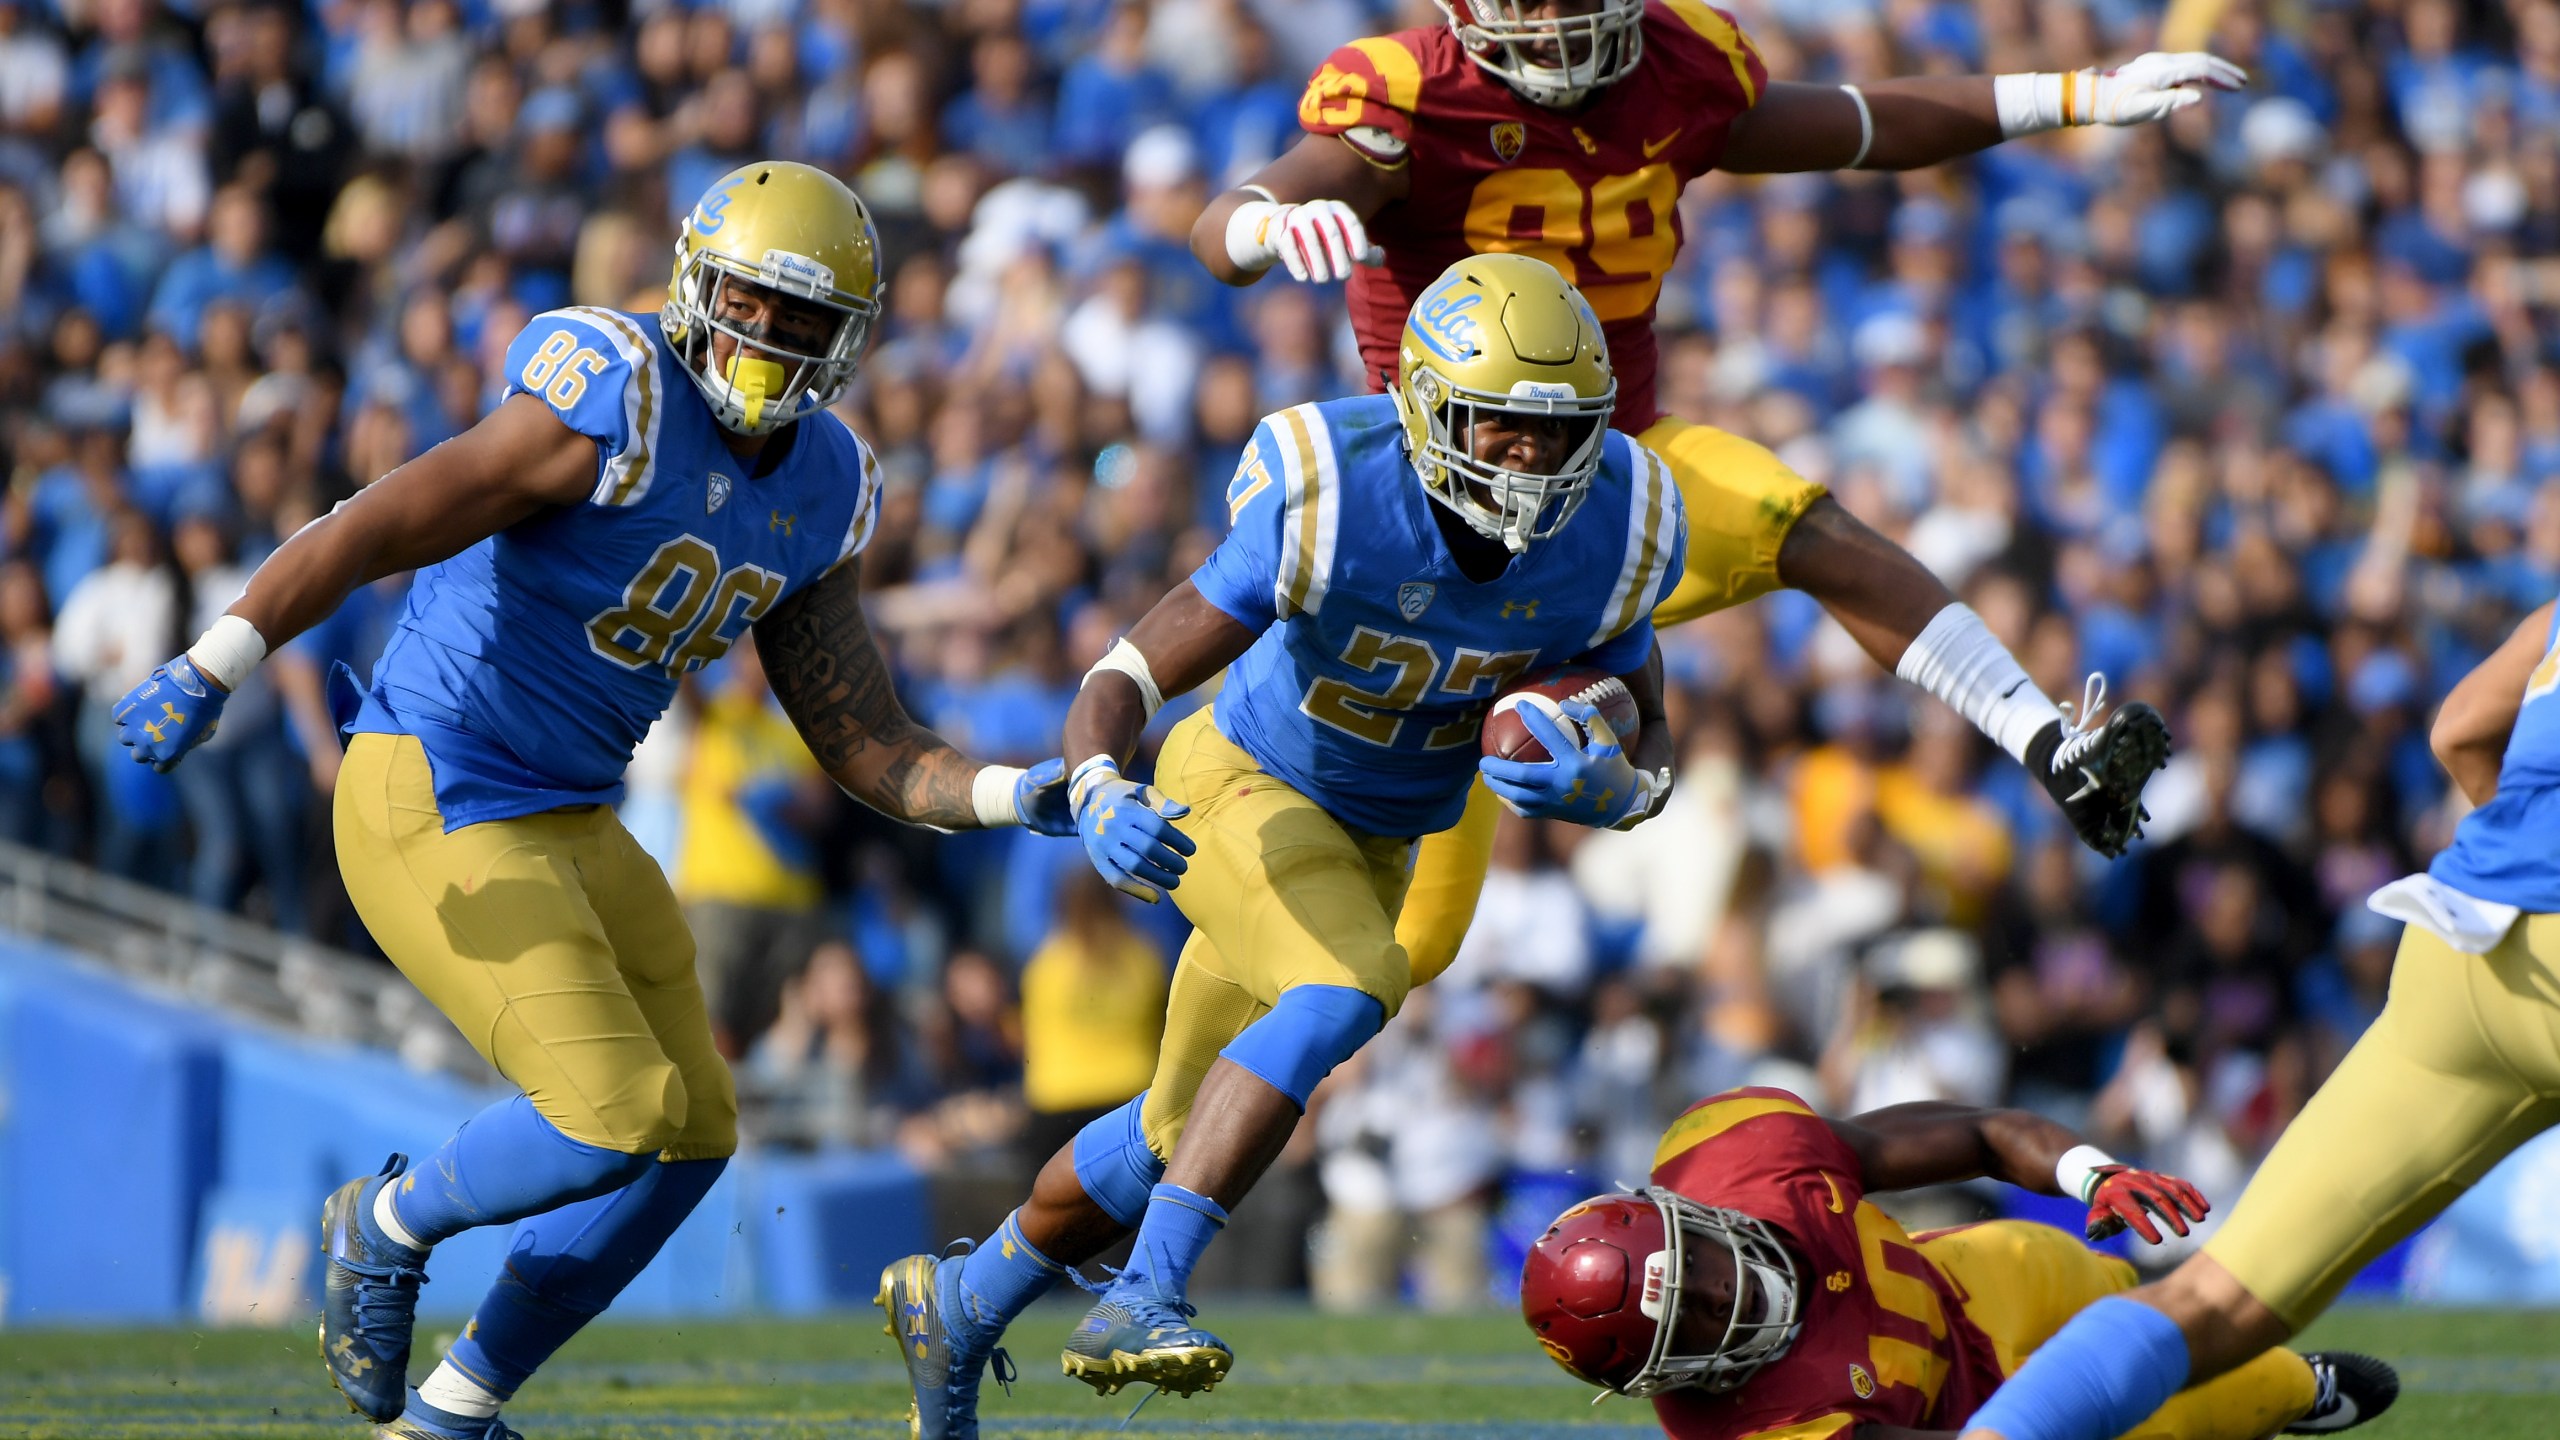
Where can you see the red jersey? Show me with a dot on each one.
(1594, 192)
(1883, 1338)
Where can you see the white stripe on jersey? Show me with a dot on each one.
(627, 476)
(866, 506)
(1651, 525)
(1309, 517)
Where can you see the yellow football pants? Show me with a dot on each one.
(1741, 502)
(1280, 894)
(2463, 1067)
(553, 943)
(2021, 1282)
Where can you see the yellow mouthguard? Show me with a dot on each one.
(754, 380)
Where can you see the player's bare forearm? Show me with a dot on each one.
(1185, 640)
(1654, 749)
(2470, 734)
(1935, 1142)
(1880, 593)
(517, 461)
(1318, 167)
(1920, 120)
(828, 672)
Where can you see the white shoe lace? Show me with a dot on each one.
(2081, 729)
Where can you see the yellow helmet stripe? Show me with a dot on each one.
(1307, 519)
(1725, 36)
(1644, 539)
(626, 476)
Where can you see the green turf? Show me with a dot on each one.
(2476, 1375)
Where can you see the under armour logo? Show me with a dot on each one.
(170, 714)
(1519, 609)
(787, 524)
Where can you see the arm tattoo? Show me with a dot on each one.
(829, 674)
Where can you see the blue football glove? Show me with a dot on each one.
(1040, 800)
(1591, 784)
(1128, 831)
(169, 714)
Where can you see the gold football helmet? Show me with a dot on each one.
(1555, 60)
(802, 233)
(1503, 335)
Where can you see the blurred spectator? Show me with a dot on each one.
(833, 1068)
(1092, 1012)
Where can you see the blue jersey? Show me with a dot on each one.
(2509, 849)
(1378, 657)
(530, 664)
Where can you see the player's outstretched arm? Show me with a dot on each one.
(1917, 121)
(2470, 733)
(835, 685)
(1128, 827)
(1932, 1142)
(518, 460)
(1306, 212)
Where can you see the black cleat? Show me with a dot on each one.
(2095, 769)
(2353, 1389)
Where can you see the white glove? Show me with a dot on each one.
(1318, 240)
(2143, 89)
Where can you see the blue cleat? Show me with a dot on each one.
(1137, 1336)
(422, 1421)
(945, 1361)
(371, 1299)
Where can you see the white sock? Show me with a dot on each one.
(455, 1393)
(389, 1219)
(1959, 660)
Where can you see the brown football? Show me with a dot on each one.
(1506, 735)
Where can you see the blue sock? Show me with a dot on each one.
(1114, 1165)
(997, 1281)
(2098, 1377)
(504, 1164)
(568, 1265)
(1180, 1224)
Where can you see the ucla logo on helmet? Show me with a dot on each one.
(1510, 137)
(713, 212)
(1446, 322)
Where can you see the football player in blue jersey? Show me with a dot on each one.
(2461, 1068)
(1395, 561)
(651, 489)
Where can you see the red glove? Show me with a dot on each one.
(2125, 1198)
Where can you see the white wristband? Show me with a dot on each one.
(228, 650)
(1129, 660)
(1249, 244)
(992, 794)
(2077, 1171)
(1866, 127)
(1092, 772)
(2032, 104)
(1959, 660)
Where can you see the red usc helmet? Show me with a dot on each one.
(1602, 1292)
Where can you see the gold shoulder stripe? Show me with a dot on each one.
(1647, 501)
(1716, 1117)
(1302, 518)
(1397, 66)
(1725, 36)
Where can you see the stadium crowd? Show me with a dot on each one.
(2253, 411)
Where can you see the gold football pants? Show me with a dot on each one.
(2463, 1067)
(2021, 1282)
(1280, 894)
(1741, 502)
(553, 943)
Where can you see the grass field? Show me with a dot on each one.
(2474, 1375)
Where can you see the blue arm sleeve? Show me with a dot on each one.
(1242, 576)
